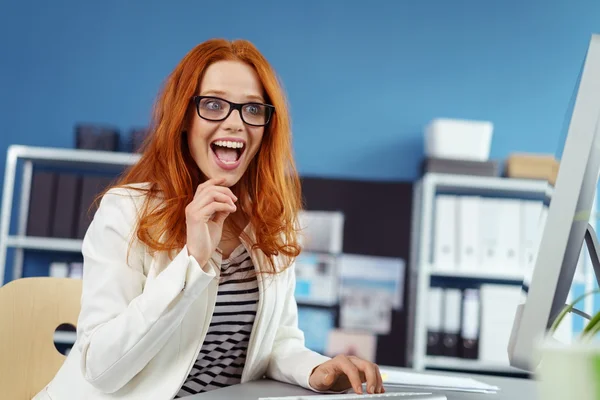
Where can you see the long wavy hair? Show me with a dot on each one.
(269, 191)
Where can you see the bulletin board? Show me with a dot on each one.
(377, 223)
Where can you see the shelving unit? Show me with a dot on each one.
(43, 156)
(43, 243)
(422, 270)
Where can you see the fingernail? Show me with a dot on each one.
(372, 389)
(359, 390)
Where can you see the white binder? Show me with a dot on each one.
(451, 321)
(434, 305)
(468, 233)
(498, 309)
(444, 254)
(531, 212)
(470, 314)
(489, 230)
(509, 238)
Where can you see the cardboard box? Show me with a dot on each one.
(532, 166)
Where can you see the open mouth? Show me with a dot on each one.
(228, 151)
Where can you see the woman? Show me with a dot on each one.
(188, 264)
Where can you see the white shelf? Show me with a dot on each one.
(493, 185)
(64, 337)
(42, 243)
(50, 155)
(478, 275)
(452, 363)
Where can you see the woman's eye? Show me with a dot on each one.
(212, 105)
(253, 109)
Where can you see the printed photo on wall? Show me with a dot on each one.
(362, 345)
(316, 279)
(317, 324)
(370, 288)
(321, 231)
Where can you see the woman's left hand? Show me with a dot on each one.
(345, 372)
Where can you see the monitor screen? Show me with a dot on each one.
(546, 287)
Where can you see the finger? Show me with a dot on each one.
(194, 212)
(212, 197)
(206, 213)
(213, 208)
(212, 189)
(224, 190)
(351, 372)
(379, 379)
(208, 183)
(212, 183)
(220, 217)
(370, 373)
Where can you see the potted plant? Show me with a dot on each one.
(571, 371)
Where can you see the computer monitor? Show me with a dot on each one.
(567, 224)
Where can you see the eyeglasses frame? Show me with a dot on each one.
(233, 106)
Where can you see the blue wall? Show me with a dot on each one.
(362, 77)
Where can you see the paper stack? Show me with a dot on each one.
(398, 378)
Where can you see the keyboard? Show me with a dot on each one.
(353, 396)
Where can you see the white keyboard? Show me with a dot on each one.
(353, 396)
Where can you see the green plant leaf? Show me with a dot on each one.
(592, 327)
(568, 308)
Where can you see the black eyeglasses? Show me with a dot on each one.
(217, 109)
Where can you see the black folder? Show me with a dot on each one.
(67, 206)
(41, 203)
(91, 187)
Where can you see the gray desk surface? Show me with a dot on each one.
(510, 389)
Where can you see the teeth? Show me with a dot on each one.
(230, 144)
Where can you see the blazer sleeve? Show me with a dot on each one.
(125, 318)
(290, 360)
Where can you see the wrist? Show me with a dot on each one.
(200, 260)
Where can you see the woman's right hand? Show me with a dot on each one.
(204, 218)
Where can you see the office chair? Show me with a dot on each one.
(30, 311)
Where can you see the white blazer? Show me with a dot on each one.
(142, 323)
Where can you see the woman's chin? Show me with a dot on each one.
(230, 179)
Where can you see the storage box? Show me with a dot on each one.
(459, 167)
(532, 166)
(96, 137)
(458, 139)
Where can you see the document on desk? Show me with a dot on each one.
(393, 378)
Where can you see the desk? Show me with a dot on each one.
(510, 389)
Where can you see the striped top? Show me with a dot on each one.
(223, 354)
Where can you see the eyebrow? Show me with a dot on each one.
(252, 97)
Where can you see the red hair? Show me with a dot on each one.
(269, 191)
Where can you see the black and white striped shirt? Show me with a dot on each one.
(223, 354)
